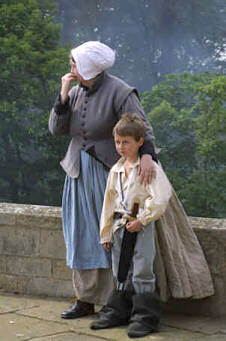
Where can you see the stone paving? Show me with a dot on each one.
(35, 318)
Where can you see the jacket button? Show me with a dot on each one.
(83, 124)
(84, 109)
(84, 145)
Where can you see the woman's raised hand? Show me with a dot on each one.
(65, 85)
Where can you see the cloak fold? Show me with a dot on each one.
(180, 265)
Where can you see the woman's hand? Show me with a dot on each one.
(134, 226)
(147, 170)
(107, 246)
(66, 84)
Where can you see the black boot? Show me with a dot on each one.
(78, 309)
(116, 312)
(146, 314)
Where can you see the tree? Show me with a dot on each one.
(152, 38)
(30, 69)
(189, 119)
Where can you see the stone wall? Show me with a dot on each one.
(32, 256)
(32, 251)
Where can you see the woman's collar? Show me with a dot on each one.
(96, 84)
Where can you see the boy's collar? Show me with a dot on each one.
(119, 166)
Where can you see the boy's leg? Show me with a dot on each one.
(115, 255)
(118, 308)
(146, 304)
(143, 260)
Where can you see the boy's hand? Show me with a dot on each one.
(134, 226)
(107, 246)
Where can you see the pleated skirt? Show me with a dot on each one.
(81, 210)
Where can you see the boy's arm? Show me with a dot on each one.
(160, 192)
(106, 220)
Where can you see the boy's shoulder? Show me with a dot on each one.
(117, 167)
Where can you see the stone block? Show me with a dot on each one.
(50, 287)
(19, 241)
(213, 244)
(30, 215)
(207, 223)
(52, 244)
(61, 270)
(2, 264)
(219, 286)
(29, 266)
(22, 284)
(7, 219)
(8, 282)
(38, 221)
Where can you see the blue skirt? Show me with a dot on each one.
(81, 209)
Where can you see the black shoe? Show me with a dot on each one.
(103, 310)
(137, 329)
(78, 309)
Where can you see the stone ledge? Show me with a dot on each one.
(47, 217)
(208, 223)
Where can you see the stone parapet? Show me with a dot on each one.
(32, 251)
(32, 256)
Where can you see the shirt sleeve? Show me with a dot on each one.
(133, 105)
(59, 108)
(106, 220)
(160, 191)
(59, 120)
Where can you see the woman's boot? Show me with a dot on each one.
(146, 314)
(117, 311)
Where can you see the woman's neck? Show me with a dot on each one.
(88, 83)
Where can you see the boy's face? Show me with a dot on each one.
(127, 146)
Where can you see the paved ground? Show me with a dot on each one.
(32, 318)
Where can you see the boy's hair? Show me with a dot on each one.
(130, 125)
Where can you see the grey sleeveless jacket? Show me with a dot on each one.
(90, 116)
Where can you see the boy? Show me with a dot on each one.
(127, 228)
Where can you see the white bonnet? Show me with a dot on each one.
(92, 58)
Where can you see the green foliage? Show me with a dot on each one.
(30, 69)
(188, 113)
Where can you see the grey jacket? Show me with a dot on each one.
(90, 116)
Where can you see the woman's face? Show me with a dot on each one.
(75, 71)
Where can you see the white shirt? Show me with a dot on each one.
(153, 198)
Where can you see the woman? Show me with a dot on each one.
(88, 112)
